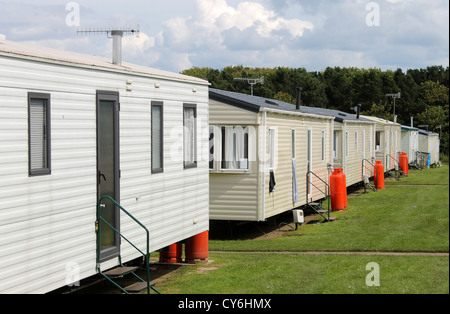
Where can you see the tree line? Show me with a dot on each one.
(424, 92)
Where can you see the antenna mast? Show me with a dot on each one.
(116, 34)
(251, 81)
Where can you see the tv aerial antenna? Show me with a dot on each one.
(395, 96)
(116, 34)
(251, 81)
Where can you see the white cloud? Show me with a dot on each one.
(207, 29)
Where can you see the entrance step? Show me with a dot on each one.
(119, 271)
(138, 287)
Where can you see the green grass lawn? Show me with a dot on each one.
(411, 215)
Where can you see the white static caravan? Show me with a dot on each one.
(74, 127)
(410, 142)
(387, 142)
(261, 153)
(429, 143)
(352, 143)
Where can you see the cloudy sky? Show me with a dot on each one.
(180, 34)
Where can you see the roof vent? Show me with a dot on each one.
(298, 98)
(270, 102)
(342, 114)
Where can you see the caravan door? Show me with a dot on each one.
(108, 172)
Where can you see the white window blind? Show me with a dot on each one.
(39, 136)
(157, 137)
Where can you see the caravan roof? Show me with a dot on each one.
(256, 104)
(24, 50)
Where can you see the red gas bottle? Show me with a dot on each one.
(379, 175)
(337, 190)
(196, 250)
(403, 163)
(172, 255)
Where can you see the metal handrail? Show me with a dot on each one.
(396, 167)
(327, 188)
(363, 165)
(146, 255)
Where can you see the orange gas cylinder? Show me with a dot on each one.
(337, 190)
(196, 250)
(172, 254)
(403, 163)
(379, 175)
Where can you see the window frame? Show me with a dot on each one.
(188, 165)
(223, 148)
(159, 104)
(47, 127)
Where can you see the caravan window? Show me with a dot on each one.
(335, 144)
(39, 134)
(189, 136)
(272, 158)
(323, 145)
(346, 144)
(377, 141)
(157, 137)
(235, 148)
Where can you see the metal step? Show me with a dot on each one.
(119, 271)
(138, 286)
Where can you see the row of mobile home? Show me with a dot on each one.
(74, 128)
(421, 146)
(170, 151)
(262, 151)
(387, 142)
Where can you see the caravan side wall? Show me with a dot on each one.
(359, 147)
(281, 199)
(47, 223)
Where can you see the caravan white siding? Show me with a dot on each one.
(387, 142)
(282, 199)
(47, 223)
(358, 147)
(410, 143)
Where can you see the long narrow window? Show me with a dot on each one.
(335, 144)
(294, 142)
(346, 144)
(323, 145)
(377, 141)
(190, 135)
(235, 148)
(157, 137)
(39, 134)
(272, 148)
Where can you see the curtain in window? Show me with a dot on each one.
(189, 136)
(235, 148)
